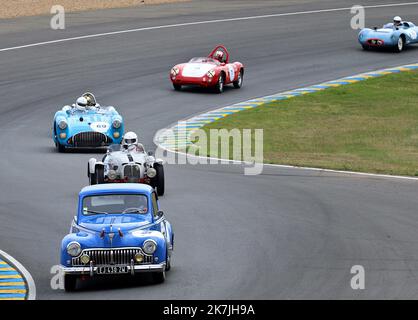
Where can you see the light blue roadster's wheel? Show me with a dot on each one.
(60, 147)
(400, 45)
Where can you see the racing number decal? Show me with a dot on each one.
(412, 34)
(99, 126)
(231, 72)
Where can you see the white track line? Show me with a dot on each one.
(38, 44)
(284, 166)
(28, 278)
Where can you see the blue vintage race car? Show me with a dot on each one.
(390, 36)
(119, 229)
(86, 124)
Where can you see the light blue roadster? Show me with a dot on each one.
(392, 36)
(119, 229)
(86, 124)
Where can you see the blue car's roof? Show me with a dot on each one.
(116, 187)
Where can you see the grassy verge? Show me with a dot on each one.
(369, 126)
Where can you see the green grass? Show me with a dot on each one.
(369, 126)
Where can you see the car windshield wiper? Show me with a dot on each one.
(133, 210)
(95, 212)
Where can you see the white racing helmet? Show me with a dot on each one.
(91, 99)
(397, 20)
(130, 138)
(81, 104)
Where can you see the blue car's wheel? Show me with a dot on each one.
(158, 277)
(400, 45)
(168, 262)
(60, 147)
(70, 282)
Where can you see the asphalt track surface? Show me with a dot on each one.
(287, 233)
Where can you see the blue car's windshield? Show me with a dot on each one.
(115, 204)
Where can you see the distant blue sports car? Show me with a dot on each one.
(86, 124)
(119, 229)
(390, 36)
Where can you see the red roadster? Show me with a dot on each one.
(213, 71)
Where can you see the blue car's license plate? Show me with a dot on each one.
(112, 269)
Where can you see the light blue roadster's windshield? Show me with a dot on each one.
(115, 204)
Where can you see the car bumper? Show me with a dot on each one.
(188, 81)
(92, 270)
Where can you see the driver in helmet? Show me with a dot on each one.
(91, 99)
(130, 142)
(397, 21)
(219, 55)
(80, 104)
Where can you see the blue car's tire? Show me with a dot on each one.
(158, 277)
(400, 46)
(365, 47)
(70, 282)
(60, 147)
(168, 262)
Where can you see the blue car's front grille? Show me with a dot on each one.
(117, 256)
(90, 139)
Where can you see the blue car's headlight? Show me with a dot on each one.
(63, 125)
(73, 249)
(149, 246)
(116, 123)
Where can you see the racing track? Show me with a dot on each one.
(287, 233)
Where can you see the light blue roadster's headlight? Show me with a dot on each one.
(63, 125)
(116, 123)
(149, 246)
(73, 249)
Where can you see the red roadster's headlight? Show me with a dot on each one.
(211, 74)
(175, 71)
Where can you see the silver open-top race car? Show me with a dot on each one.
(127, 163)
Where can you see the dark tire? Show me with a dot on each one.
(70, 282)
(400, 46)
(158, 277)
(92, 179)
(168, 262)
(99, 173)
(158, 181)
(60, 147)
(177, 87)
(238, 84)
(366, 48)
(219, 88)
